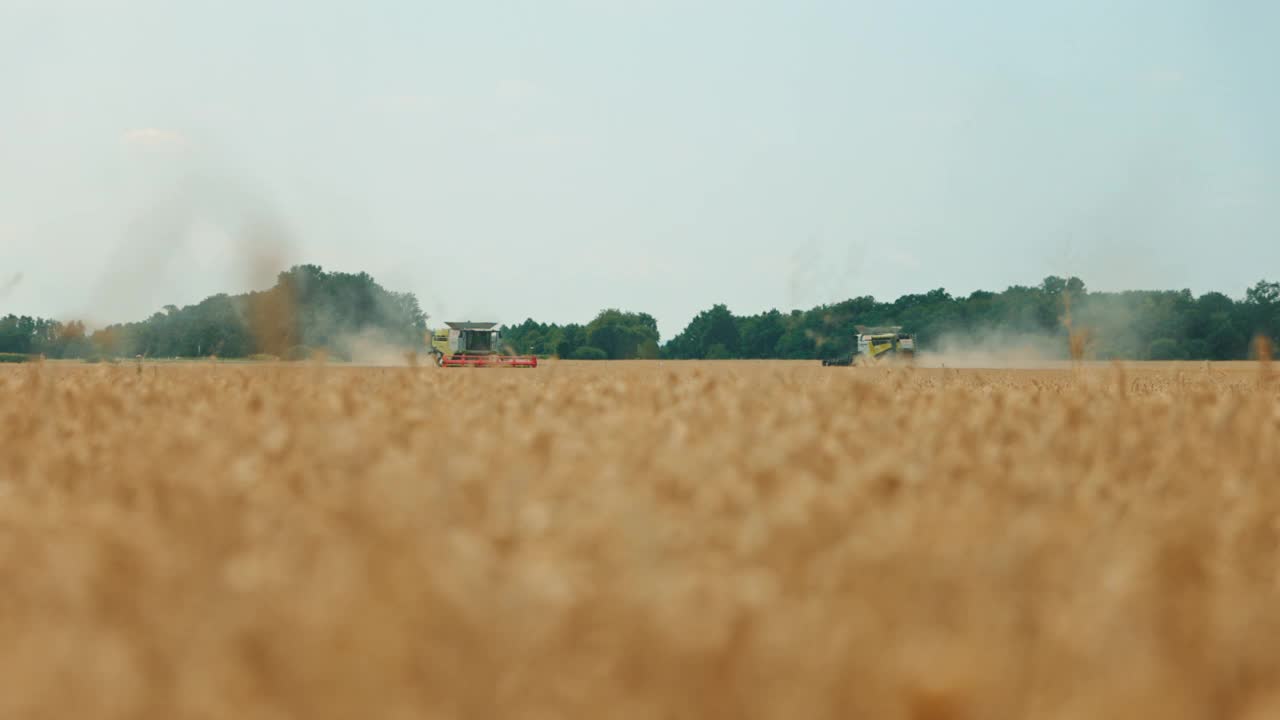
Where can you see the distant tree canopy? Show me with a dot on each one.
(307, 308)
(612, 335)
(312, 309)
(36, 336)
(1138, 325)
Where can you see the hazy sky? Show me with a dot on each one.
(550, 158)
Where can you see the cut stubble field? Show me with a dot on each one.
(639, 540)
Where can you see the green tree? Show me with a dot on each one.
(586, 352)
(718, 352)
(716, 326)
(334, 311)
(721, 331)
(572, 336)
(1165, 349)
(622, 335)
(1262, 311)
(761, 333)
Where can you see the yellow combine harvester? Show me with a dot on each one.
(474, 344)
(879, 343)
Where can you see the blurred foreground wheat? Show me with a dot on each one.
(639, 540)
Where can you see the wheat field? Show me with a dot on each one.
(639, 540)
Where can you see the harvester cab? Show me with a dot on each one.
(474, 344)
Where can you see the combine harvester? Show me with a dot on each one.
(474, 344)
(876, 344)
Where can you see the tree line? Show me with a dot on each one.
(1135, 325)
(612, 335)
(309, 309)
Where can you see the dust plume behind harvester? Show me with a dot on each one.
(877, 344)
(474, 344)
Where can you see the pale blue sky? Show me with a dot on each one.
(551, 158)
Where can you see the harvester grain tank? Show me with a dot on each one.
(474, 344)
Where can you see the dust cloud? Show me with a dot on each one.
(213, 222)
(370, 348)
(996, 349)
